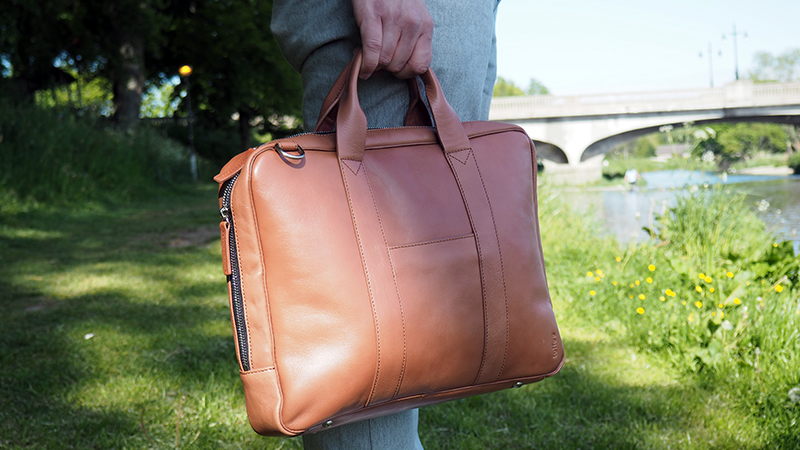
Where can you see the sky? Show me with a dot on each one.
(577, 47)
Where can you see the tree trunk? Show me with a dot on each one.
(128, 80)
(244, 129)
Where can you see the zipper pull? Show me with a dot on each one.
(225, 238)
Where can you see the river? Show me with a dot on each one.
(776, 200)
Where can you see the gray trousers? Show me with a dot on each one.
(318, 38)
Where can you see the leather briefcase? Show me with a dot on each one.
(375, 271)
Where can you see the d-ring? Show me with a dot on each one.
(301, 153)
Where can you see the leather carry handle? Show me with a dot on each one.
(416, 116)
(351, 123)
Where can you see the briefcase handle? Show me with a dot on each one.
(351, 123)
(416, 116)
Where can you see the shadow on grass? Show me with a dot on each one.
(579, 408)
(88, 366)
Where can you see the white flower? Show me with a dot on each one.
(763, 205)
(794, 394)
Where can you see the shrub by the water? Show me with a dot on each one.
(794, 162)
(50, 156)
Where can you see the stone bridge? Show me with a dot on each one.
(571, 129)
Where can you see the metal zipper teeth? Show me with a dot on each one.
(237, 300)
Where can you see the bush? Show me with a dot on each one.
(794, 162)
(50, 156)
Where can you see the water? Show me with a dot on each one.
(776, 199)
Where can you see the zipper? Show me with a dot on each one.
(237, 300)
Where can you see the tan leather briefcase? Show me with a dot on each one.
(374, 271)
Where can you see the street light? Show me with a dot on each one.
(710, 65)
(735, 50)
(186, 72)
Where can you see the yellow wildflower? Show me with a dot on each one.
(640, 310)
(775, 245)
(596, 278)
(618, 259)
(721, 315)
(698, 303)
(630, 296)
(599, 272)
(698, 289)
(729, 274)
(641, 297)
(748, 283)
(662, 298)
(631, 285)
(670, 292)
(720, 306)
(691, 317)
(714, 314)
(707, 279)
(779, 288)
(614, 283)
(637, 282)
(649, 280)
(592, 292)
(737, 301)
(651, 267)
(702, 276)
(589, 274)
(711, 289)
(684, 302)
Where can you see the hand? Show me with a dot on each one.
(396, 36)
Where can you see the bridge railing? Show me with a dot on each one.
(734, 95)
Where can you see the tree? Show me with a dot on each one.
(238, 70)
(782, 68)
(507, 88)
(729, 143)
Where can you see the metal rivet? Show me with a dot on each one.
(518, 384)
(327, 424)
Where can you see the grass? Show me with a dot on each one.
(116, 334)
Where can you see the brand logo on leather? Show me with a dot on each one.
(555, 346)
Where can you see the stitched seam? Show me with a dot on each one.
(396, 288)
(269, 312)
(251, 372)
(369, 288)
(480, 268)
(355, 172)
(437, 241)
(502, 267)
(457, 159)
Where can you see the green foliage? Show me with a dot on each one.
(794, 162)
(52, 157)
(507, 88)
(730, 143)
(643, 147)
(537, 88)
(783, 68)
(713, 294)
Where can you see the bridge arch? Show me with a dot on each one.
(576, 128)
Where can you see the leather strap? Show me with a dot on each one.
(416, 116)
(351, 129)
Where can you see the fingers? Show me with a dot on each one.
(396, 36)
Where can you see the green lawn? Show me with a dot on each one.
(116, 334)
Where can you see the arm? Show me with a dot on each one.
(396, 36)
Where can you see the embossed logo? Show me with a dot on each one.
(555, 346)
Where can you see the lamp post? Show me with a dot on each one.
(735, 50)
(186, 72)
(710, 65)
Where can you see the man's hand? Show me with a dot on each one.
(396, 36)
